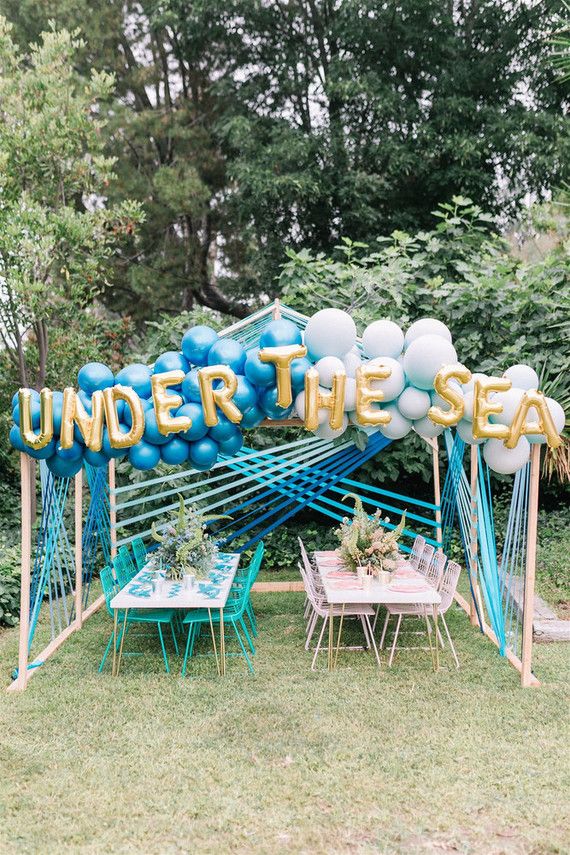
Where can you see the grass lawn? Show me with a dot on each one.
(289, 760)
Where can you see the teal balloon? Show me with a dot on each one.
(137, 376)
(95, 376)
(257, 372)
(233, 444)
(151, 431)
(175, 451)
(85, 399)
(280, 332)
(64, 468)
(226, 351)
(144, 456)
(252, 417)
(199, 427)
(268, 403)
(34, 409)
(108, 449)
(73, 453)
(223, 430)
(43, 453)
(172, 360)
(203, 453)
(57, 412)
(299, 368)
(16, 440)
(197, 342)
(246, 394)
(191, 386)
(95, 458)
(126, 418)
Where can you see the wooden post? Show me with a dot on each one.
(437, 489)
(25, 564)
(112, 508)
(79, 549)
(276, 309)
(528, 608)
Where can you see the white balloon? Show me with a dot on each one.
(368, 429)
(506, 460)
(398, 427)
(426, 428)
(438, 401)
(414, 403)
(330, 332)
(465, 431)
(522, 376)
(558, 417)
(351, 361)
(426, 326)
(383, 338)
(469, 386)
(323, 412)
(325, 431)
(327, 367)
(424, 357)
(468, 404)
(350, 394)
(510, 402)
(395, 384)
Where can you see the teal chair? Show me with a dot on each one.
(160, 617)
(139, 551)
(128, 561)
(121, 571)
(234, 612)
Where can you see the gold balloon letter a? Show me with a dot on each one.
(544, 425)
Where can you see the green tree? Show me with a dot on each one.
(56, 232)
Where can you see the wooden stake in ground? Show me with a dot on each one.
(78, 508)
(528, 609)
(25, 564)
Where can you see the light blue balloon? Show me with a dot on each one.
(144, 456)
(257, 372)
(197, 342)
(330, 332)
(280, 332)
(226, 351)
(172, 360)
(137, 376)
(95, 376)
(175, 451)
(199, 427)
(424, 358)
(191, 386)
(203, 453)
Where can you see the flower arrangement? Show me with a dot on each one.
(185, 546)
(364, 543)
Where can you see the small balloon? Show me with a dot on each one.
(257, 372)
(152, 433)
(299, 368)
(504, 460)
(323, 413)
(175, 451)
(327, 367)
(172, 360)
(195, 413)
(325, 431)
(144, 455)
(425, 356)
(414, 403)
(196, 344)
(352, 362)
(383, 338)
(398, 426)
(350, 394)
(109, 450)
(95, 458)
(268, 403)
(204, 453)
(223, 430)
(427, 429)
(252, 417)
(62, 468)
(393, 386)
(233, 444)
(465, 430)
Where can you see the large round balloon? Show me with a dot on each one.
(299, 404)
(425, 356)
(199, 427)
(233, 444)
(268, 403)
(95, 458)
(280, 332)
(191, 386)
(35, 411)
(138, 376)
(144, 455)
(16, 439)
(299, 368)
(64, 468)
(203, 453)
(147, 404)
(470, 385)
(258, 372)
(330, 332)
(427, 429)
(151, 431)
(504, 460)
(175, 451)
(95, 376)
(327, 367)
(522, 376)
(414, 403)
(398, 427)
(172, 360)
(426, 326)
(226, 351)
(196, 344)
(325, 431)
(252, 417)
(392, 386)
(246, 394)
(383, 338)
(352, 362)
(43, 453)
(106, 446)
(223, 430)
(465, 431)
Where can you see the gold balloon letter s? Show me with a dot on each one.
(452, 396)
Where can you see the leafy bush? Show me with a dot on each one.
(9, 585)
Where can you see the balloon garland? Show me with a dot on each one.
(193, 405)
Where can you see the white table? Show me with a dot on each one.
(210, 594)
(372, 593)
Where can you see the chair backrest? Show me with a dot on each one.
(122, 573)
(128, 561)
(109, 587)
(139, 551)
(305, 556)
(448, 584)
(436, 567)
(425, 559)
(417, 549)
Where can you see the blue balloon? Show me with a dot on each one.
(64, 468)
(57, 412)
(203, 453)
(233, 444)
(246, 394)
(73, 453)
(280, 332)
(191, 386)
(108, 449)
(268, 403)
(137, 376)
(151, 431)
(43, 453)
(175, 451)
(299, 368)
(94, 376)
(16, 439)
(197, 342)
(226, 351)
(223, 430)
(34, 409)
(199, 427)
(127, 419)
(85, 399)
(252, 417)
(95, 458)
(144, 456)
(257, 372)
(172, 360)
(15, 397)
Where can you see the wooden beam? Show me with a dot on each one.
(276, 309)
(528, 607)
(78, 514)
(280, 423)
(277, 587)
(20, 682)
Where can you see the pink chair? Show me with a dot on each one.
(434, 571)
(417, 549)
(447, 588)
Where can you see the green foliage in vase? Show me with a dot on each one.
(186, 546)
(365, 543)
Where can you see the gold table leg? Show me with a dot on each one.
(115, 619)
(339, 634)
(331, 638)
(222, 645)
(214, 640)
(122, 641)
